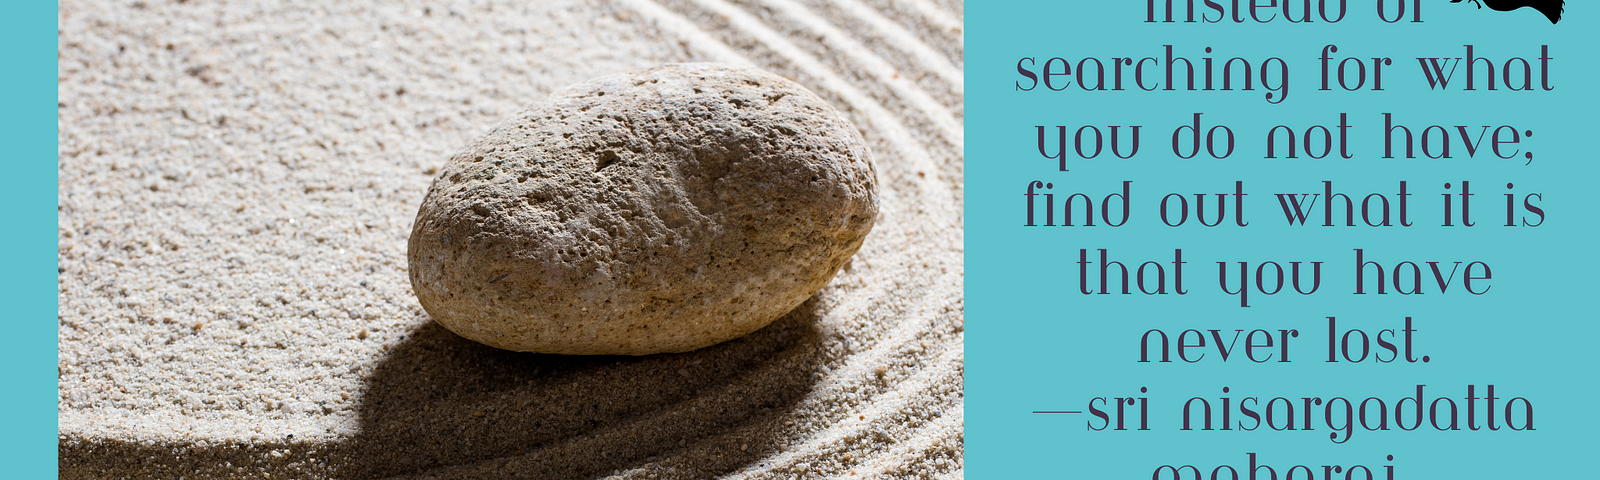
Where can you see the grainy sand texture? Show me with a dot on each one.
(238, 180)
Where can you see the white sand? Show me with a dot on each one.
(238, 179)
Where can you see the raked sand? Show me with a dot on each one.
(238, 180)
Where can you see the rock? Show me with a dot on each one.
(658, 211)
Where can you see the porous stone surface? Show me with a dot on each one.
(657, 211)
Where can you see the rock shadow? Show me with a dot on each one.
(439, 403)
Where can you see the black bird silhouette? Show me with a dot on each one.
(1550, 8)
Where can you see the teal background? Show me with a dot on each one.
(28, 286)
(1035, 343)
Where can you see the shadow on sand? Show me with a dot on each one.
(439, 400)
(439, 405)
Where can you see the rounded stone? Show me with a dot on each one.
(657, 211)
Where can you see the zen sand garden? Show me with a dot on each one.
(238, 180)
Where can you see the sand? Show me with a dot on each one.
(237, 182)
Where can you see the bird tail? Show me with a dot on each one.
(1551, 9)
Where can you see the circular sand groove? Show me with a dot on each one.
(236, 186)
